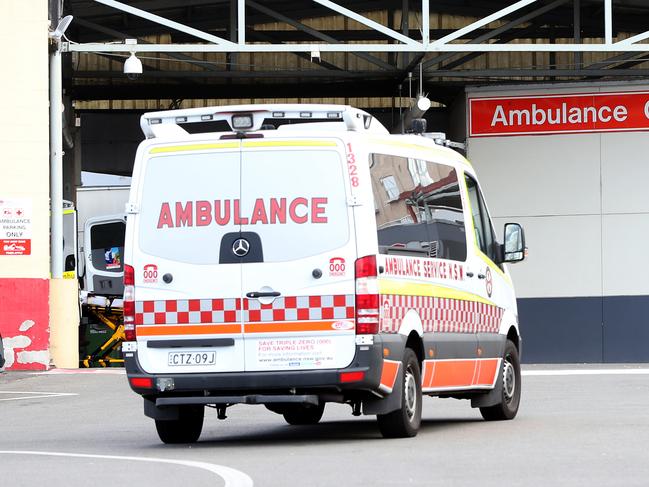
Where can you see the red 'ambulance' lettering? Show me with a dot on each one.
(277, 210)
(184, 215)
(221, 218)
(293, 210)
(203, 216)
(221, 212)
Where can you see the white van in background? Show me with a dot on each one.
(321, 260)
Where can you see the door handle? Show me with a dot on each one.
(469, 274)
(481, 276)
(262, 294)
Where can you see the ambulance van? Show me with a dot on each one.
(297, 255)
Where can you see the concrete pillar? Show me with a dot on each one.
(24, 185)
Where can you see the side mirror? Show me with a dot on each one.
(514, 246)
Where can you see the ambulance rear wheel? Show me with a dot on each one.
(303, 414)
(186, 429)
(511, 389)
(405, 421)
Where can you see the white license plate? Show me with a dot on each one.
(191, 358)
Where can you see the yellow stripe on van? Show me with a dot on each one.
(493, 266)
(190, 147)
(288, 143)
(409, 145)
(401, 288)
(246, 144)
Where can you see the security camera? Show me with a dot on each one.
(133, 67)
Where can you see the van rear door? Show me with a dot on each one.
(187, 290)
(298, 272)
(103, 247)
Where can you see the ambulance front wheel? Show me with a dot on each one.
(186, 429)
(511, 389)
(405, 421)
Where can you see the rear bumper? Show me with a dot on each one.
(234, 387)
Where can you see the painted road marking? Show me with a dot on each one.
(231, 477)
(34, 395)
(107, 371)
(586, 372)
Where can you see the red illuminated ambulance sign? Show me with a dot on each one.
(551, 114)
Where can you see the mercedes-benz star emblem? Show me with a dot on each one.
(240, 247)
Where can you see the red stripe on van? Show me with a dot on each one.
(459, 374)
(389, 375)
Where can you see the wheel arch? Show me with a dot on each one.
(412, 328)
(512, 334)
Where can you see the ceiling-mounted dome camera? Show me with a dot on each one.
(133, 67)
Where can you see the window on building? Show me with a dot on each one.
(419, 172)
(391, 188)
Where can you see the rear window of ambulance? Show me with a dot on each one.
(295, 200)
(178, 187)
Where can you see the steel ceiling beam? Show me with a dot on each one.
(371, 23)
(405, 42)
(121, 35)
(482, 22)
(355, 48)
(313, 32)
(620, 58)
(283, 74)
(500, 30)
(262, 35)
(535, 73)
(343, 36)
(160, 91)
(167, 23)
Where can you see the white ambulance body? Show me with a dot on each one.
(322, 261)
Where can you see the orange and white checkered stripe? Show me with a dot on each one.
(440, 314)
(237, 310)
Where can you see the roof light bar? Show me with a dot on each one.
(251, 117)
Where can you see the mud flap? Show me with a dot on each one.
(491, 398)
(167, 413)
(387, 404)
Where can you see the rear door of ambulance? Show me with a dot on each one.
(298, 272)
(187, 291)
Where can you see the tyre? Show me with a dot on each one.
(511, 390)
(186, 429)
(404, 422)
(303, 414)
